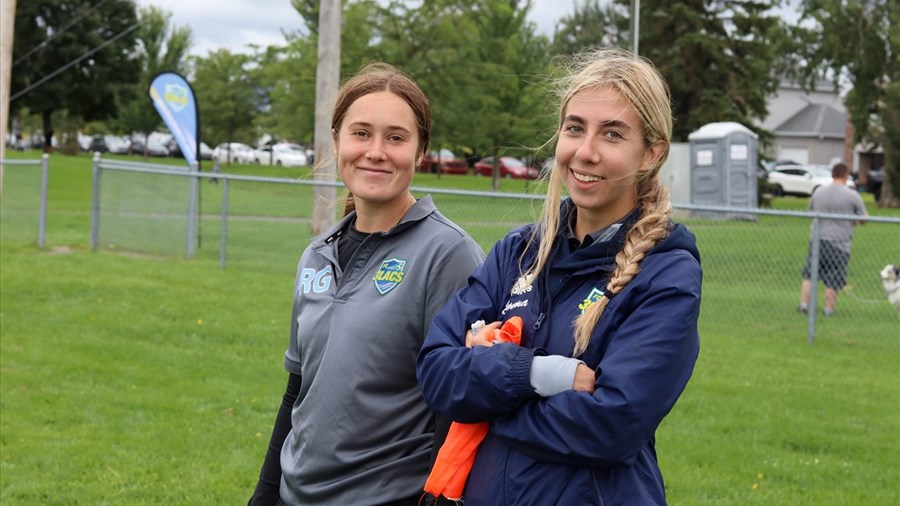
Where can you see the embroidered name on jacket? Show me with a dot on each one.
(513, 305)
(591, 299)
(389, 275)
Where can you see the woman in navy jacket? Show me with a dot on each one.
(609, 290)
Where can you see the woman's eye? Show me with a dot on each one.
(613, 134)
(573, 129)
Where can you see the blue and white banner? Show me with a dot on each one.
(174, 98)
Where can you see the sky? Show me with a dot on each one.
(233, 24)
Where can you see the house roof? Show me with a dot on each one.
(815, 120)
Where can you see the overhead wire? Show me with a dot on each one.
(62, 30)
(74, 62)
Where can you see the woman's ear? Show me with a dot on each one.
(334, 141)
(653, 154)
(419, 160)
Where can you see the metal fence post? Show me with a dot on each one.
(95, 202)
(192, 210)
(42, 220)
(813, 279)
(223, 239)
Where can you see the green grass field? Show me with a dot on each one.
(151, 379)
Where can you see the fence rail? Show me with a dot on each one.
(752, 257)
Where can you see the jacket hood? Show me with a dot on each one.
(602, 255)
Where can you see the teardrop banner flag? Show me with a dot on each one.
(174, 99)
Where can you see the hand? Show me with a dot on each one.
(584, 379)
(484, 336)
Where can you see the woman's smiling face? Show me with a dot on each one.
(378, 149)
(600, 149)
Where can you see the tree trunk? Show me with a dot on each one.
(495, 167)
(48, 131)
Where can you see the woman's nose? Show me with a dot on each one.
(376, 150)
(587, 152)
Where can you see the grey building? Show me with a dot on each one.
(809, 127)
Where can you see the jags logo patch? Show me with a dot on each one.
(177, 96)
(389, 275)
(591, 299)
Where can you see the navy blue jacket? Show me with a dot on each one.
(573, 447)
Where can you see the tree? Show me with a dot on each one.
(475, 59)
(722, 58)
(287, 75)
(859, 42)
(227, 96)
(509, 56)
(159, 48)
(593, 24)
(72, 55)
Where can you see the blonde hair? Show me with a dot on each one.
(642, 85)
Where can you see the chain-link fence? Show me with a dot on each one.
(752, 259)
(29, 205)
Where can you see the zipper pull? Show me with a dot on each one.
(537, 324)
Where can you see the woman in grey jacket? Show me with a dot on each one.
(353, 427)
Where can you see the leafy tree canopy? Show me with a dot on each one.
(858, 42)
(159, 47)
(81, 50)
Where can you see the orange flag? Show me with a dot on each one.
(455, 458)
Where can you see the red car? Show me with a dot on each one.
(448, 162)
(510, 167)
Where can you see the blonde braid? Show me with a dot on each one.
(651, 228)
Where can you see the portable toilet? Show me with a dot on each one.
(724, 168)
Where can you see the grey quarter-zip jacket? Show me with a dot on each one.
(361, 431)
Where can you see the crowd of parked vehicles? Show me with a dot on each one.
(155, 144)
(289, 154)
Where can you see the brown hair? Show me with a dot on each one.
(373, 78)
(642, 85)
(839, 171)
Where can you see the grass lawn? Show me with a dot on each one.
(146, 379)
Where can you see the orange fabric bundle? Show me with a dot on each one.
(457, 455)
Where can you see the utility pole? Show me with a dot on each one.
(635, 25)
(328, 70)
(7, 28)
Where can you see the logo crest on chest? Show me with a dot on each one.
(389, 275)
(591, 299)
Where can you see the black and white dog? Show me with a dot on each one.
(890, 276)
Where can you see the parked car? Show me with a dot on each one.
(445, 161)
(98, 144)
(136, 145)
(233, 152)
(155, 146)
(174, 150)
(510, 167)
(116, 144)
(287, 155)
(800, 180)
(766, 166)
(205, 151)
